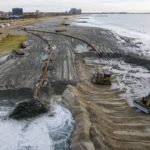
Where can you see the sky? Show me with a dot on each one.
(85, 5)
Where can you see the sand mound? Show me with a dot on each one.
(28, 109)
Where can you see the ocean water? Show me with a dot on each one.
(130, 25)
(132, 79)
(50, 131)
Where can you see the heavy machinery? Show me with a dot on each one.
(102, 77)
(143, 104)
(33, 107)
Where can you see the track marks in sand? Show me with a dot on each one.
(110, 122)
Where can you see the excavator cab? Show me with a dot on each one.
(143, 104)
(102, 77)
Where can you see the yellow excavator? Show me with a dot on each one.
(143, 104)
(102, 77)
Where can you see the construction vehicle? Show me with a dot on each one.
(102, 77)
(143, 104)
(32, 107)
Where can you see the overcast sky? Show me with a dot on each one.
(85, 5)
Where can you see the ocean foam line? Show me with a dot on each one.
(139, 36)
(42, 133)
(133, 80)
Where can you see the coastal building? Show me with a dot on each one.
(4, 15)
(17, 11)
(74, 11)
(1, 13)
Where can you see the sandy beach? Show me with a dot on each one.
(103, 117)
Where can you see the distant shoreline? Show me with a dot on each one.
(116, 13)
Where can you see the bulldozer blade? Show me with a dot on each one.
(140, 107)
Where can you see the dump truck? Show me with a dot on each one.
(143, 104)
(102, 77)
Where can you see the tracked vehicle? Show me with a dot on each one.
(143, 104)
(102, 77)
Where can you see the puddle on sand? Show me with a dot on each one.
(81, 48)
(50, 131)
(133, 80)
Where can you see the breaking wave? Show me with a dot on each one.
(50, 131)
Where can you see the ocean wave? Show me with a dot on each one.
(47, 132)
(138, 32)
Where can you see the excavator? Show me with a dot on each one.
(102, 76)
(143, 104)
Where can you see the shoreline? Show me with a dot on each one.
(103, 118)
(139, 36)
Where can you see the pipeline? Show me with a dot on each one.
(127, 58)
(44, 72)
(70, 36)
(33, 107)
(43, 75)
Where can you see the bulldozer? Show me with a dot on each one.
(102, 77)
(143, 104)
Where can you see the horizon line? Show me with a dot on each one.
(124, 12)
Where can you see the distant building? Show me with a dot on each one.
(1, 13)
(75, 11)
(17, 11)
